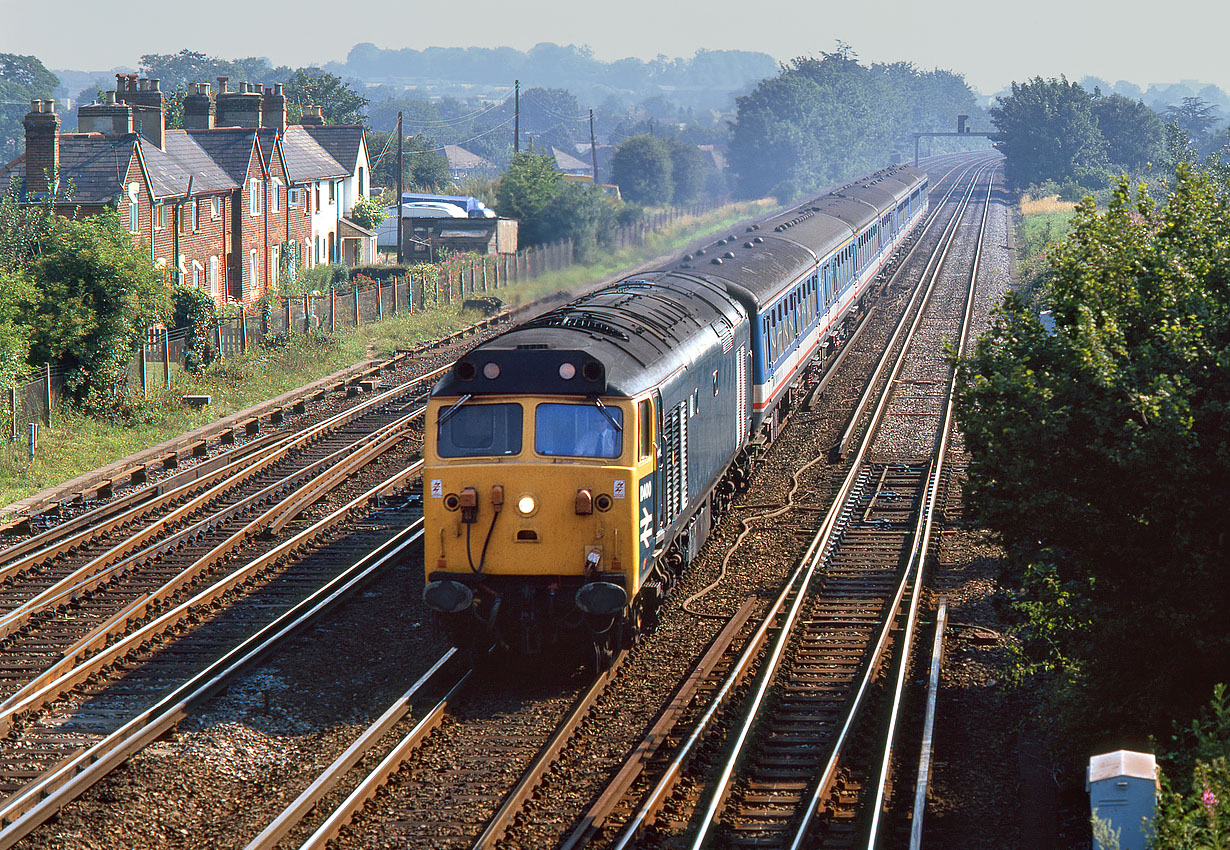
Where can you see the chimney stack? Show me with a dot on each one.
(240, 108)
(42, 147)
(198, 108)
(148, 105)
(109, 117)
(273, 108)
(312, 117)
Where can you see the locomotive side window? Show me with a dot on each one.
(644, 412)
(578, 430)
(481, 430)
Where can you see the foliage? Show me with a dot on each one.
(367, 212)
(426, 166)
(16, 291)
(1195, 117)
(22, 79)
(583, 213)
(338, 102)
(194, 309)
(97, 294)
(1100, 451)
(24, 230)
(188, 67)
(1132, 131)
(381, 273)
(1047, 131)
(1199, 760)
(641, 167)
(687, 171)
(525, 192)
(823, 119)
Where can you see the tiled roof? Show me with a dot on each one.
(342, 141)
(306, 160)
(459, 157)
(207, 175)
(229, 147)
(95, 165)
(567, 162)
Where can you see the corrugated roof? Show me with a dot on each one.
(342, 141)
(306, 160)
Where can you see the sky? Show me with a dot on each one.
(991, 43)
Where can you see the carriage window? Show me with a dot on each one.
(578, 430)
(481, 430)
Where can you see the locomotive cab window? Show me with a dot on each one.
(578, 430)
(480, 430)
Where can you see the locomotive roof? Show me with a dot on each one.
(638, 330)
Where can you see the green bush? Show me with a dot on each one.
(196, 310)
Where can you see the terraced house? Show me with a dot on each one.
(230, 202)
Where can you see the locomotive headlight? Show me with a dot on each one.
(567, 371)
(526, 505)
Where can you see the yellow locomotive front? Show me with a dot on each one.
(535, 530)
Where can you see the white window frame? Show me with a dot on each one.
(134, 208)
(215, 204)
(274, 184)
(253, 260)
(294, 197)
(160, 216)
(196, 215)
(197, 268)
(273, 265)
(213, 276)
(254, 197)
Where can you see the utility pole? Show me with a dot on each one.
(400, 254)
(516, 116)
(593, 147)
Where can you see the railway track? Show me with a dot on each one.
(415, 811)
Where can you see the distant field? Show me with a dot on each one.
(1044, 221)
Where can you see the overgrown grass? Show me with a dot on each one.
(74, 443)
(1044, 222)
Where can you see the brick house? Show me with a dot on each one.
(215, 202)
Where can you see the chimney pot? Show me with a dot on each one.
(155, 84)
(109, 97)
(49, 105)
(277, 88)
(142, 84)
(36, 106)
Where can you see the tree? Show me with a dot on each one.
(641, 167)
(426, 166)
(583, 213)
(1048, 132)
(1195, 117)
(1100, 451)
(526, 191)
(22, 79)
(187, 67)
(687, 171)
(98, 292)
(1133, 132)
(338, 102)
(367, 212)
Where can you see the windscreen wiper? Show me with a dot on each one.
(602, 407)
(448, 414)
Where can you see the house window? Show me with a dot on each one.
(293, 197)
(213, 276)
(307, 253)
(215, 208)
(196, 274)
(362, 191)
(254, 196)
(273, 265)
(253, 259)
(160, 216)
(134, 217)
(317, 197)
(332, 191)
(196, 215)
(273, 194)
(182, 211)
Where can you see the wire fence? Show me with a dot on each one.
(162, 352)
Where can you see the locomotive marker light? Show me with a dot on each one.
(567, 371)
(526, 506)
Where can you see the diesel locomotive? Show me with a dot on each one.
(575, 464)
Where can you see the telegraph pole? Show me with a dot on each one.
(516, 116)
(400, 254)
(593, 148)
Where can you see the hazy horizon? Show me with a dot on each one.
(1098, 38)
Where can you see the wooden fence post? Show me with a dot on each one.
(332, 309)
(307, 314)
(166, 359)
(13, 411)
(243, 334)
(356, 306)
(218, 337)
(144, 378)
(379, 303)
